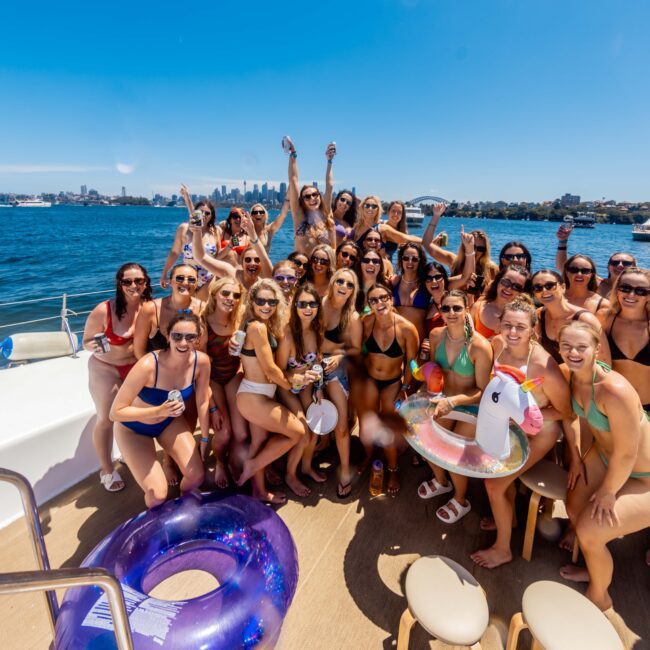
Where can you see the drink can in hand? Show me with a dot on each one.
(240, 337)
(318, 384)
(444, 239)
(196, 218)
(102, 341)
(176, 396)
(286, 147)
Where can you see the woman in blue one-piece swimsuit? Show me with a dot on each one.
(142, 411)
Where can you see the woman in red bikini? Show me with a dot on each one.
(106, 370)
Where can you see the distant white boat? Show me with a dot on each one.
(584, 220)
(414, 216)
(33, 203)
(6, 205)
(641, 231)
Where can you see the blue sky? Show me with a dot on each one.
(491, 99)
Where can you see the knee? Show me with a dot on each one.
(341, 430)
(194, 476)
(155, 495)
(495, 488)
(589, 533)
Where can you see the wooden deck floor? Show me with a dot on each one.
(353, 557)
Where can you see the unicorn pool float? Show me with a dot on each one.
(506, 414)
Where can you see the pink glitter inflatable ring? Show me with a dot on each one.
(454, 452)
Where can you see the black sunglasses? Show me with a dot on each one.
(435, 278)
(346, 201)
(299, 264)
(445, 309)
(185, 278)
(303, 304)
(345, 255)
(310, 196)
(252, 260)
(639, 291)
(323, 261)
(236, 295)
(271, 302)
(547, 286)
(341, 282)
(510, 257)
(256, 212)
(370, 260)
(410, 258)
(383, 298)
(509, 284)
(371, 206)
(480, 249)
(127, 282)
(178, 337)
(625, 263)
(579, 270)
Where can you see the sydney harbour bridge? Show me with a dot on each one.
(426, 199)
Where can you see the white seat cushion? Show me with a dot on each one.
(447, 600)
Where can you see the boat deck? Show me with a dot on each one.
(353, 557)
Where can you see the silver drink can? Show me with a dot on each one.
(196, 219)
(102, 341)
(240, 337)
(176, 396)
(319, 369)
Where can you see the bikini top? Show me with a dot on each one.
(158, 341)
(394, 350)
(157, 396)
(483, 329)
(238, 249)
(314, 219)
(113, 338)
(551, 345)
(341, 230)
(334, 335)
(251, 353)
(188, 253)
(389, 248)
(595, 417)
(306, 361)
(642, 356)
(462, 364)
(359, 241)
(421, 300)
(433, 322)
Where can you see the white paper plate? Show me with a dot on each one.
(322, 418)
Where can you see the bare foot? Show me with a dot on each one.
(393, 486)
(273, 478)
(314, 475)
(276, 498)
(574, 573)
(487, 523)
(297, 486)
(246, 473)
(490, 558)
(220, 476)
(567, 540)
(169, 470)
(363, 466)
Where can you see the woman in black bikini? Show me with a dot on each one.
(410, 296)
(390, 342)
(107, 370)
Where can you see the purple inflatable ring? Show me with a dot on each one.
(240, 541)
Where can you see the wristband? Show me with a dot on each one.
(213, 409)
(449, 402)
(205, 439)
(329, 162)
(470, 254)
(254, 242)
(561, 248)
(293, 154)
(405, 386)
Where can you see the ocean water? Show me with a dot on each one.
(76, 249)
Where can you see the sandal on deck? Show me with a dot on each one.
(454, 511)
(344, 491)
(109, 481)
(439, 489)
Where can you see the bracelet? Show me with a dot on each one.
(329, 162)
(293, 154)
(213, 409)
(561, 248)
(405, 386)
(205, 439)
(470, 254)
(255, 242)
(449, 402)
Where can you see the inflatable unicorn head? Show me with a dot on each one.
(431, 374)
(506, 396)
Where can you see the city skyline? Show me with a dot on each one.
(471, 101)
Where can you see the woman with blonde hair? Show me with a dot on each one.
(221, 317)
(285, 273)
(264, 230)
(263, 323)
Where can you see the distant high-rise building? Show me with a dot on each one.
(570, 199)
(354, 191)
(265, 192)
(244, 188)
(283, 191)
(123, 190)
(224, 191)
(315, 184)
(84, 190)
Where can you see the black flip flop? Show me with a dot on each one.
(340, 488)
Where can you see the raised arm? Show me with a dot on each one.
(563, 233)
(172, 257)
(294, 188)
(215, 266)
(329, 177)
(439, 254)
(279, 220)
(185, 193)
(469, 266)
(249, 228)
(388, 232)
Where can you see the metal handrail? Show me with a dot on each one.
(27, 581)
(59, 297)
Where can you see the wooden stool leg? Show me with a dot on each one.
(531, 522)
(476, 646)
(517, 624)
(406, 624)
(536, 645)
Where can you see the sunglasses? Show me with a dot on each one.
(410, 258)
(435, 278)
(236, 295)
(127, 282)
(509, 257)
(299, 264)
(370, 260)
(180, 279)
(383, 298)
(178, 337)
(310, 196)
(445, 309)
(547, 286)
(579, 270)
(480, 249)
(345, 255)
(236, 217)
(341, 282)
(346, 201)
(304, 304)
(509, 284)
(285, 278)
(256, 212)
(322, 261)
(625, 263)
(373, 240)
(639, 291)
(252, 260)
(207, 213)
(271, 302)
(370, 206)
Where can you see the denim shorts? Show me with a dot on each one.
(340, 374)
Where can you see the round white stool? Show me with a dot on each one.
(559, 618)
(446, 600)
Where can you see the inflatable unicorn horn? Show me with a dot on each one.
(507, 395)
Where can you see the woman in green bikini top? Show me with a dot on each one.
(616, 500)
